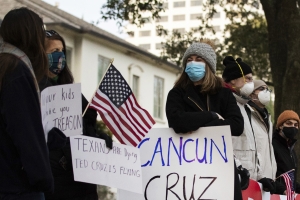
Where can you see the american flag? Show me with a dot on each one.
(119, 109)
(289, 181)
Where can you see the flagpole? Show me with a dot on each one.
(112, 60)
(284, 173)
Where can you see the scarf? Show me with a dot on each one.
(8, 48)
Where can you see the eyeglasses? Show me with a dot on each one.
(262, 88)
(51, 33)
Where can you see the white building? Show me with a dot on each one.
(90, 49)
(180, 15)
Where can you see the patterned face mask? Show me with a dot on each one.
(57, 62)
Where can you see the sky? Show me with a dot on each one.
(89, 10)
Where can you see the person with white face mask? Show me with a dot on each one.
(263, 131)
(238, 77)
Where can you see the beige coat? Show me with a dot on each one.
(253, 149)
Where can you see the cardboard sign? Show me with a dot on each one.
(186, 166)
(119, 167)
(61, 107)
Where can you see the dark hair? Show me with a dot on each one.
(24, 29)
(65, 76)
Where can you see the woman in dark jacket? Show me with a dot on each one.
(25, 171)
(199, 99)
(59, 146)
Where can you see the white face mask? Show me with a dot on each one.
(264, 97)
(247, 89)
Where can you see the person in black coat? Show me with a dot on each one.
(59, 146)
(283, 143)
(199, 99)
(25, 172)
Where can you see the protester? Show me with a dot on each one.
(283, 143)
(238, 78)
(263, 132)
(59, 146)
(198, 98)
(25, 171)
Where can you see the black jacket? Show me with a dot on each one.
(286, 158)
(184, 115)
(61, 160)
(24, 159)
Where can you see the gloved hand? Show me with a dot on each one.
(108, 140)
(268, 185)
(244, 177)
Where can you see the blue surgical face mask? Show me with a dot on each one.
(57, 62)
(195, 70)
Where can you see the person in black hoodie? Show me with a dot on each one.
(25, 171)
(59, 146)
(199, 99)
(283, 143)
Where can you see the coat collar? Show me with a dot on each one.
(240, 99)
(283, 141)
(192, 98)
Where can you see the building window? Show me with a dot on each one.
(195, 16)
(145, 46)
(130, 33)
(179, 4)
(216, 28)
(135, 86)
(158, 46)
(147, 20)
(162, 19)
(103, 63)
(196, 2)
(158, 97)
(217, 15)
(179, 30)
(165, 5)
(69, 56)
(145, 33)
(178, 17)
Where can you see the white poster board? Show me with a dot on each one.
(119, 167)
(61, 107)
(186, 166)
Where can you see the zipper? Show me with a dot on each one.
(198, 105)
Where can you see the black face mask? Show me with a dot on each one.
(290, 132)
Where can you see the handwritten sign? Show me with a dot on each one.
(186, 166)
(61, 108)
(119, 167)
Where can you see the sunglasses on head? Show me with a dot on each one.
(51, 33)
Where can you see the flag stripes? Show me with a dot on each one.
(119, 109)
